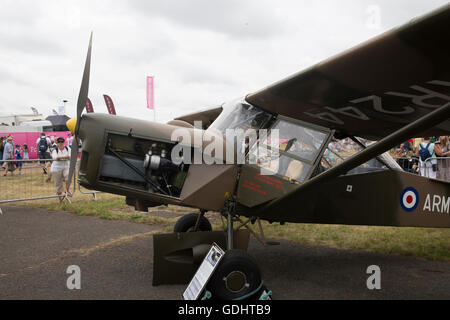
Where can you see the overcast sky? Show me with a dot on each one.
(201, 52)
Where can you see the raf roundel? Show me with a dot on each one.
(409, 199)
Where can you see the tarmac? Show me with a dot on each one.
(115, 260)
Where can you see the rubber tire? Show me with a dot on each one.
(234, 260)
(188, 221)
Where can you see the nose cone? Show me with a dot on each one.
(71, 124)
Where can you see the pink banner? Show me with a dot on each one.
(30, 138)
(150, 98)
(109, 104)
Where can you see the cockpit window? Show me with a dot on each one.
(299, 146)
(338, 151)
(240, 115)
(298, 140)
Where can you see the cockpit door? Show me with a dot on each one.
(273, 169)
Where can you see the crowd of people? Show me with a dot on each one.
(9, 151)
(429, 157)
(53, 153)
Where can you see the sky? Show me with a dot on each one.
(201, 53)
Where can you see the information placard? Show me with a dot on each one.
(204, 272)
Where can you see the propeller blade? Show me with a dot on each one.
(82, 98)
(83, 95)
(73, 161)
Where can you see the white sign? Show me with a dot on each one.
(204, 272)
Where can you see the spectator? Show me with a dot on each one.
(8, 154)
(427, 158)
(9, 136)
(407, 146)
(60, 167)
(18, 156)
(69, 139)
(402, 151)
(443, 150)
(43, 147)
(2, 147)
(401, 155)
(26, 152)
(53, 145)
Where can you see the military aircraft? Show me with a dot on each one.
(388, 89)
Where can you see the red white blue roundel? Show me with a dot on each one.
(409, 199)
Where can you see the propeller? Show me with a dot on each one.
(82, 98)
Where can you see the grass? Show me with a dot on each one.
(32, 183)
(107, 206)
(428, 243)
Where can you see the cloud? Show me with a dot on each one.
(243, 19)
(19, 21)
(29, 44)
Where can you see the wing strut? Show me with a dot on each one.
(403, 134)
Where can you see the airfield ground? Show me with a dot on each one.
(113, 247)
(428, 243)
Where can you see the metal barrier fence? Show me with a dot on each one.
(27, 180)
(436, 168)
(411, 164)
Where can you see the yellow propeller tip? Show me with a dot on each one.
(71, 124)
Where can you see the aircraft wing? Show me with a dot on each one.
(374, 88)
(206, 116)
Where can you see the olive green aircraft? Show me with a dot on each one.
(387, 90)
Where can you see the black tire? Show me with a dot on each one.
(237, 276)
(187, 223)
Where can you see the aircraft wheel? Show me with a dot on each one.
(236, 276)
(187, 223)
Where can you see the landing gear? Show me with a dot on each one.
(192, 222)
(237, 277)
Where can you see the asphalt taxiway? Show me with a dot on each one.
(115, 260)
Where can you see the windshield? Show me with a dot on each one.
(239, 114)
(298, 140)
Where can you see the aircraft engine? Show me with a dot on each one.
(142, 164)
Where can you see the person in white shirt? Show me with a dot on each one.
(60, 167)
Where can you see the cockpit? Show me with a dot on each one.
(281, 146)
(293, 148)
